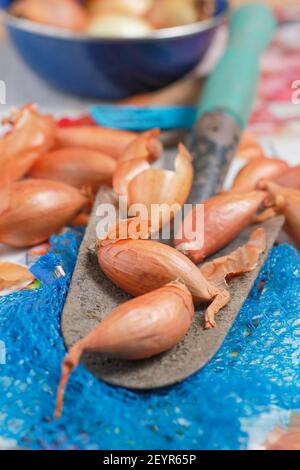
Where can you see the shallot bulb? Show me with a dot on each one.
(77, 167)
(132, 7)
(138, 329)
(287, 202)
(249, 148)
(257, 169)
(167, 190)
(225, 216)
(14, 277)
(168, 13)
(32, 134)
(118, 24)
(112, 142)
(38, 209)
(290, 178)
(242, 260)
(67, 14)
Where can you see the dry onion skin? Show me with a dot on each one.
(225, 216)
(257, 169)
(169, 13)
(125, 172)
(138, 329)
(112, 142)
(77, 167)
(31, 135)
(118, 24)
(165, 188)
(287, 202)
(68, 14)
(285, 439)
(38, 209)
(242, 260)
(147, 146)
(14, 277)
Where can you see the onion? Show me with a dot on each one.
(118, 25)
(249, 148)
(37, 209)
(75, 166)
(257, 169)
(133, 7)
(14, 277)
(167, 189)
(112, 142)
(147, 145)
(138, 329)
(67, 14)
(225, 216)
(287, 202)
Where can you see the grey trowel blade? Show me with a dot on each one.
(92, 296)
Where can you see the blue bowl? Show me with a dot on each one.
(112, 68)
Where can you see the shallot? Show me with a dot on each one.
(75, 166)
(37, 209)
(112, 142)
(14, 277)
(138, 329)
(257, 169)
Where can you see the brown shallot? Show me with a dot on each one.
(285, 201)
(67, 14)
(290, 178)
(75, 166)
(147, 146)
(37, 209)
(138, 266)
(225, 216)
(138, 329)
(257, 169)
(14, 277)
(243, 260)
(112, 142)
(31, 135)
(164, 191)
(249, 148)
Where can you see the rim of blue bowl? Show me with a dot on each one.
(159, 34)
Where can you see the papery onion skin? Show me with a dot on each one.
(38, 209)
(67, 14)
(32, 134)
(138, 329)
(140, 266)
(242, 260)
(75, 166)
(164, 188)
(147, 146)
(112, 142)
(290, 178)
(249, 148)
(225, 216)
(257, 169)
(118, 24)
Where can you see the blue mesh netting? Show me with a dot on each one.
(255, 372)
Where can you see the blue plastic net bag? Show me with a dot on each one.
(248, 387)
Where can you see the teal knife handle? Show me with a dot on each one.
(231, 87)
